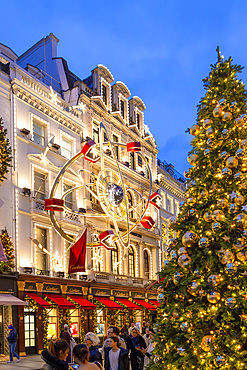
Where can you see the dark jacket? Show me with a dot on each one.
(12, 337)
(52, 362)
(94, 354)
(136, 357)
(123, 360)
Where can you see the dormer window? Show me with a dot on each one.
(136, 115)
(104, 94)
(122, 108)
(120, 95)
(138, 121)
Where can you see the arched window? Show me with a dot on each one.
(131, 261)
(114, 260)
(146, 264)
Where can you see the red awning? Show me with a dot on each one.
(39, 300)
(156, 303)
(145, 304)
(83, 302)
(111, 305)
(129, 304)
(60, 301)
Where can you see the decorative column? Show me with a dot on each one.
(141, 260)
(39, 322)
(21, 329)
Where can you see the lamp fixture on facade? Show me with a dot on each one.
(60, 274)
(27, 270)
(55, 146)
(25, 131)
(26, 191)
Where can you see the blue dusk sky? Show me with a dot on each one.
(160, 49)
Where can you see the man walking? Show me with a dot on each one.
(12, 339)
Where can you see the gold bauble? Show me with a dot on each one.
(239, 200)
(243, 144)
(192, 158)
(225, 133)
(240, 220)
(203, 193)
(222, 103)
(238, 176)
(206, 341)
(175, 314)
(218, 215)
(217, 112)
(207, 217)
(193, 288)
(173, 255)
(231, 162)
(242, 256)
(189, 239)
(220, 360)
(231, 302)
(240, 153)
(232, 207)
(165, 264)
(210, 132)
(182, 250)
(191, 201)
(203, 242)
(231, 267)
(227, 257)
(239, 122)
(177, 277)
(227, 117)
(226, 172)
(207, 123)
(224, 155)
(207, 152)
(239, 244)
(172, 221)
(213, 297)
(184, 260)
(216, 226)
(244, 165)
(195, 130)
(214, 280)
(171, 242)
(222, 203)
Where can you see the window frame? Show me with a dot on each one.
(131, 261)
(39, 251)
(44, 124)
(114, 259)
(116, 148)
(37, 171)
(95, 124)
(146, 258)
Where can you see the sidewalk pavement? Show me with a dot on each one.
(33, 362)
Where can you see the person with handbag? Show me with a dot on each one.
(136, 344)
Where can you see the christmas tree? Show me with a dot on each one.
(9, 265)
(5, 152)
(202, 322)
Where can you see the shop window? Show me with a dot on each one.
(114, 260)
(39, 185)
(42, 257)
(68, 200)
(132, 161)
(52, 329)
(146, 264)
(104, 94)
(131, 262)
(66, 147)
(95, 132)
(75, 323)
(100, 323)
(29, 330)
(115, 140)
(38, 132)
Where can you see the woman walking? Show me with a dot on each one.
(150, 347)
(92, 342)
(81, 356)
(136, 344)
(116, 358)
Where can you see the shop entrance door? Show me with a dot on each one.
(30, 331)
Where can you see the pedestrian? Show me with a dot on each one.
(146, 337)
(150, 347)
(65, 334)
(12, 339)
(81, 356)
(113, 331)
(136, 344)
(116, 357)
(64, 327)
(56, 355)
(132, 325)
(92, 342)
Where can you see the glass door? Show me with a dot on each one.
(30, 330)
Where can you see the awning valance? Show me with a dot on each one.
(156, 303)
(39, 300)
(111, 305)
(10, 300)
(131, 305)
(60, 301)
(83, 302)
(145, 304)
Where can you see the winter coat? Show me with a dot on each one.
(94, 354)
(136, 357)
(123, 360)
(12, 337)
(52, 362)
